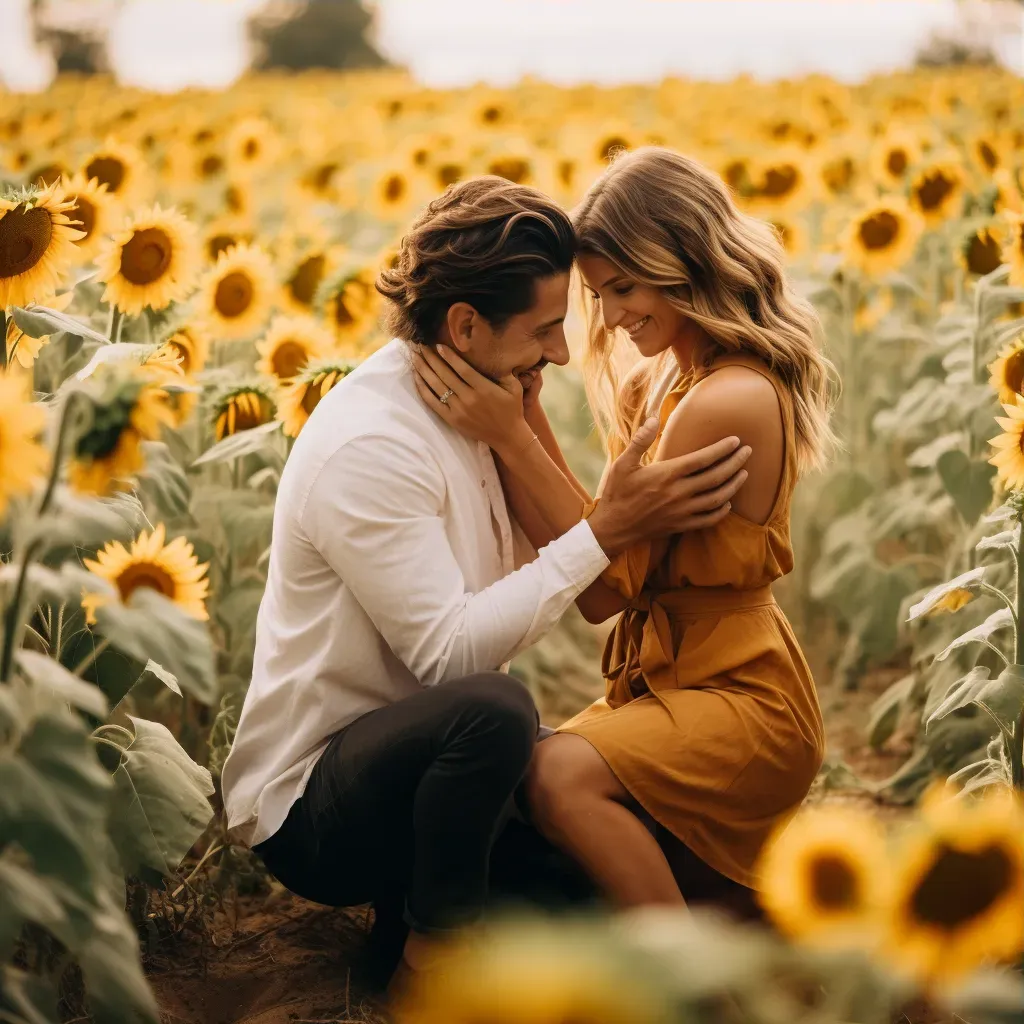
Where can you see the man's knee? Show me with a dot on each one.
(500, 710)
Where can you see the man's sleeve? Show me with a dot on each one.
(374, 513)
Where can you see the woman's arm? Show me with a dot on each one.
(537, 420)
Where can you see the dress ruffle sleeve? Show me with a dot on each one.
(628, 570)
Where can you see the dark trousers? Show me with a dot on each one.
(406, 805)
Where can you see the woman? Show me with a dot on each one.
(709, 734)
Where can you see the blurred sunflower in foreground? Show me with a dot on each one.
(37, 244)
(93, 212)
(237, 292)
(24, 459)
(242, 408)
(534, 974)
(302, 394)
(152, 262)
(823, 880)
(959, 887)
(1013, 253)
(1007, 372)
(170, 569)
(123, 407)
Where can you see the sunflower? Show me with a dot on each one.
(126, 409)
(937, 191)
(242, 408)
(47, 174)
(1009, 456)
(151, 262)
(251, 144)
(839, 173)
(309, 271)
(291, 343)
(393, 194)
(351, 304)
(170, 569)
(120, 167)
(37, 244)
(222, 234)
(191, 346)
(534, 973)
(237, 198)
(893, 155)
(823, 877)
(959, 887)
(1007, 197)
(882, 237)
(792, 235)
(24, 460)
(988, 151)
(781, 182)
(22, 349)
(981, 250)
(237, 291)
(301, 395)
(1013, 252)
(93, 212)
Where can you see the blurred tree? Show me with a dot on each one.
(300, 34)
(75, 32)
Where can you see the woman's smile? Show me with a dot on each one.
(635, 328)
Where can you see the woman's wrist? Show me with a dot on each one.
(516, 444)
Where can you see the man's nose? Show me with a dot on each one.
(557, 351)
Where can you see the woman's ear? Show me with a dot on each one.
(461, 320)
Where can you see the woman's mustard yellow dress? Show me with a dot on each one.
(710, 717)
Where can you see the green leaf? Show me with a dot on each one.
(980, 634)
(165, 677)
(151, 627)
(30, 996)
(1002, 697)
(163, 483)
(970, 580)
(46, 672)
(885, 712)
(161, 804)
(245, 442)
(969, 483)
(31, 896)
(927, 455)
(978, 775)
(75, 521)
(40, 322)
(1006, 539)
(105, 354)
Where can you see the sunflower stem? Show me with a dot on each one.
(116, 320)
(1017, 744)
(91, 657)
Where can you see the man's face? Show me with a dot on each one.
(526, 343)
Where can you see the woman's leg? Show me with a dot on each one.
(579, 805)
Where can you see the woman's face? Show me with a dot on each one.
(643, 311)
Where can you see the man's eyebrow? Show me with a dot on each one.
(550, 323)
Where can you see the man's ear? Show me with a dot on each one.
(462, 321)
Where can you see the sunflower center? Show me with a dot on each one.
(234, 295)
(306, 279)
(490, 115)
(145, 574)
(960, 886)
(394, 188)
(289, 357)
(24, 238)
(780, 181)
(933, 190)
(448, 174)
(233, 199)
(984, 254)
(108, 170)
(896, 162)
(1013, 374)
(988, 155)
(323, 174)
(880, 230)
(511, 168)
(252, 148)
(146, 256)
(83, 217)
(210, 165)
(46, 175)
(342, 316)
(834, 884)
(246, 418)
(608, 148)
(566, 172)
(839, 173)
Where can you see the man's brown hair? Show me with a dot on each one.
(485, 242)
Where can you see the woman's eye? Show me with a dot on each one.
(595, 296)
(623, 289)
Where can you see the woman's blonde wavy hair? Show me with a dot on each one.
(666, 221)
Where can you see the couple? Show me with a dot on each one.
(428, 529)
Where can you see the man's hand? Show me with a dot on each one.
(690, 492)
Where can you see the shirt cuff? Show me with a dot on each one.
(579, 556)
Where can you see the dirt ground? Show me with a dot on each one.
(285, 961)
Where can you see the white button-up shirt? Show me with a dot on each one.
(393, 566)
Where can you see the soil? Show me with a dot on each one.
(277, 959)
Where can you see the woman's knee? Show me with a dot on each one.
(565, 774)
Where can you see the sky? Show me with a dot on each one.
(166, 44)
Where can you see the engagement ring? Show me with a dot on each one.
(448, 394)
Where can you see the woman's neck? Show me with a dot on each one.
(691, 348)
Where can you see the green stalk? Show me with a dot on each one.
(1017, 744)
(12, 613)
(116, 320)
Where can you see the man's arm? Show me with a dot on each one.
(374, 513)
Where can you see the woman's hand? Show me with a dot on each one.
(478, 408)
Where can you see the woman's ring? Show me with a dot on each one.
(448, 394)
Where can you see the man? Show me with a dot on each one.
(380, 741)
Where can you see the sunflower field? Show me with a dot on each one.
(183, 277)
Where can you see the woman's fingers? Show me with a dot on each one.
(429, 376)
(473, 378)
(442, 371)
(427, 394)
